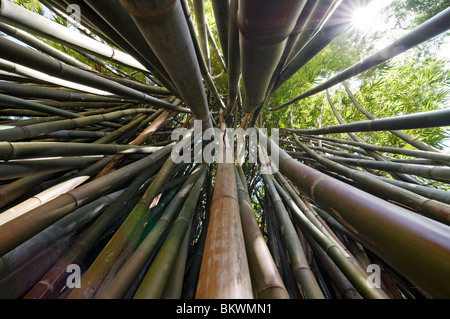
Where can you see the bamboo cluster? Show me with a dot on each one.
(88, 181)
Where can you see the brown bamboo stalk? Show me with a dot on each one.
(224, 271)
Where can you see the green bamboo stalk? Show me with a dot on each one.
(19, 187)
(199, 11)
(428, 171)
(18, 133)
(22, 228)
(437, 156)
(20, 17)
(93, 277)
(433, 193)
(262, 42)
(15, 102)
(21, 168)
(428, 207)
(112, 12)
(155, 280)
(19, 281)
(418, 120)
(112, 136)
(174, 283)
(418, 237)
(344, 287)
(130, 270)
(308, 46)
(204, 68)
(298, 263)
(221, 13)
(373, 154)
(351, 269)
(42, 46)
(265, 277)
(23, 150)
(56, 276)
(156, 21)
(234, 62)
(29, 58)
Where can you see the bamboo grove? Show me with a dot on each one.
(87, 115)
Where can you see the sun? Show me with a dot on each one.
(368, 17)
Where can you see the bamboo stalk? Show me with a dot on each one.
(345, 263)
(54, 279)
(425, 239)
(21, 168)
(157, 20)
(155, 280)
(124, 236)
(431, 208)
(262, 42)
(130, 270)
(23, 150)
(66, 225)
(298, 263)
(174, 284)
(265, 277)
(22, 228)
(22, 18)
(418, 120)
(33, 130)
(36, 61)
(224, 271)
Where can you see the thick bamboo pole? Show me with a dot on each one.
(20, 17)
(432, 155)
(33, 130)
(262, 40)
(234, 62)
(42, 46)
(221, 14)
(21, 168)
(22, 228)
(204, 70)
(224, 271)
(24, 150)
(199, 11)
(334, 26)
(156, 21)
(20, 186)
(383, 227)
(65, 226)
(54, 280)
(345, 263)
(428, 207)
(112, 12)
